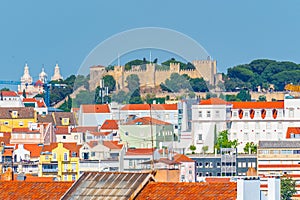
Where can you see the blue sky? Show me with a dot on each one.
(233, 32)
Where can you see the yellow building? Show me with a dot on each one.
(60, 160)
(16, 117)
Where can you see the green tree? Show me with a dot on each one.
(120, 97)
(240, 72)
(5, 89)
(224, 142)
(135, 97)
(205, 149)
(198, 85)
(193, 149)
(262, 98)
(244, 95)
(133, 82)
(109, 82)
(178, 82)
(250, 146)
(288, 188)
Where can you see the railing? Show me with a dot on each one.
(50, 170)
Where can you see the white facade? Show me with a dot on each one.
(10, 99)
(208, 119)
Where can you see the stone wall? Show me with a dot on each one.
(150, 76)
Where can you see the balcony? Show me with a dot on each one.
(50, 170)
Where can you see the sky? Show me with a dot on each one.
(43, 33)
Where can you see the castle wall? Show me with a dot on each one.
(151, 77)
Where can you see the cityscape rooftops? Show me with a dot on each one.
(147, 121)
(148, 106)
(110, 124)
(95, 108)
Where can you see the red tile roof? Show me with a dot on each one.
(213, 101)
(147, 121)
(188, 191)
(112, 144)
(106, 133)
(33, 190)
(292, 130)
(8, 152)
(63, 130)
(93, 143)
(110, 124)
(217, 180)
(34, 149)
(5, 138)
(82, 129)
(95, 108)
(8, 94)
(258, 105)
(147, 107)
(182, 158)
(139, 151)
(24, 130)
(40, 102)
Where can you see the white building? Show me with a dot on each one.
(93, 114)
(10, 99)
(208, 119)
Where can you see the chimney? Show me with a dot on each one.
(274, 188)
(248, 188)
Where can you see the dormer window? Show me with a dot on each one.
(65, 121)
(14, 114)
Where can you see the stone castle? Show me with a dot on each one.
(152, 77)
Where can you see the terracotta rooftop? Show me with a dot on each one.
(110, 124)
(93, 143)
(101, 133)
(147, 121)
(24, 130)
(63, 130)
(147, 107)
(8, 94)
(112, 144)
(33, 190)
(188, 191)
(58, 116)
(82, 129)
(213, 101)
(258, 105)
(45, 119)
(5, 137)
(71, 146)
(7, 152)
(182, 158)
(34, 149)
(23, 112)
(40, 102)
(95, 108)
(292, 130)
(139, 151)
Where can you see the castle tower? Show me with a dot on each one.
(43, 76)
(56, 75)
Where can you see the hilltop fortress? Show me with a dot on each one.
(152, 77)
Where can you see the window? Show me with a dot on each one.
(167, 116)
(182, 177)
(73, 177)
(6, 123)
(130, 163)
(235, 114)
(126, 133)
(65, 177)
(217, 113)
(208, 114)
(93, 154)
(246, 136)
(200, 114)
(21, 123)
(206, 165)
(291, 112)
(74, 154)
(73, 167)
(65, 156)
(190, 172)
(218, 165)
(76, 137)
(64, 137)
(54, 156)
(244, 164)
(200, 164)
(65, 167)
(239, 164)
(199, 136)
(246, 114)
